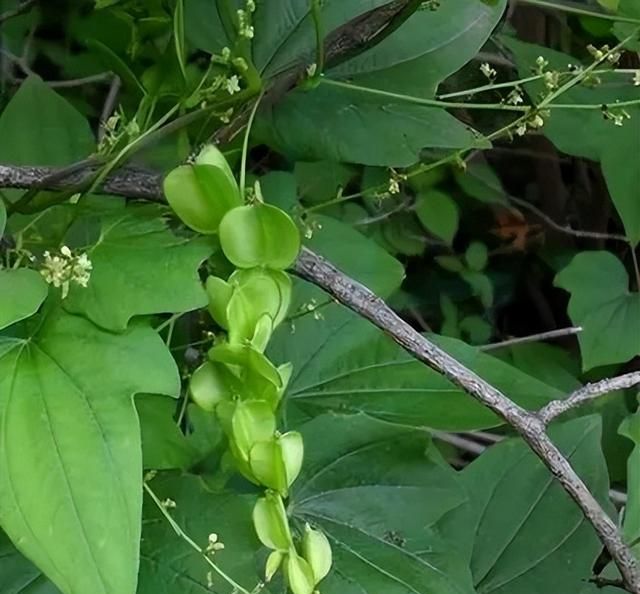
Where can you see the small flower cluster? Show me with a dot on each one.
(488, 71)
(430, 5)
(599, 54)
(245, 28)
(534, 122)
(618, 116)
(214, 545)
(115, 129)
(63, 269)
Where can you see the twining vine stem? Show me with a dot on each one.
(530, 425)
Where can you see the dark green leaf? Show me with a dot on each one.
(438, 212)
(528, 535)
(603, 306)
(377, 491)
(38, 127)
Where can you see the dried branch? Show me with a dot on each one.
(310, 266)
(587, 393)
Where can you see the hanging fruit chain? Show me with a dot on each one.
(238, 383)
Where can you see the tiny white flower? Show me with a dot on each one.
(394, 186)
(521, 130)
(65, 251)
(515, 97)
(636, 79)
(312, 69)
(488, 71)
(233, 84)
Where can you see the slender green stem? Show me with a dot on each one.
(421, 101)
(583, 74)
(522, 81)
(245, 144)
(317, 22)
(581, 11)
(636, 268)
(194, 545)
(588, 106)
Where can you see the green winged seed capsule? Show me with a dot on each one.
(211, 155)
(317, 551)
(271, 523)
(259, 235)
(268, 290)
(276, 463)
(262, 333)
(274, 561)
(219, 292)
(252, 361)
(200, 195)
(253, 421)
(299, 574)
(211, 384)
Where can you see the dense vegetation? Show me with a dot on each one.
(204, 205)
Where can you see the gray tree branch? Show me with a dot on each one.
(587, 393)
(135, 183)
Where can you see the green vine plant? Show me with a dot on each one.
(238, 383)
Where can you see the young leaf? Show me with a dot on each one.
(22, 292)
(603, 306)
(438, 212)
(71, 465)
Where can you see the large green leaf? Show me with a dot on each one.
(603, 306)
(164, 446)
(355, 367)
(39, 127)
(70, 457)
(528, 535)
(341, 125)
(357, 125)
(587, 134)
(169, 566)
(18, 575)
(140, 267)
(22, 292)
(630, 428)
(378, 496)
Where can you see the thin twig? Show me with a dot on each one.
(194, 545)
(17, 11)
(602, 582)
(551, 334)
(109, 105)
(587, 393)
(562, 229)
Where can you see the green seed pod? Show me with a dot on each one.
(248, 359)
(269, 290)
(201, 195)
(262, 334)
(253, 421)
(317, 551)
(299, 574)
(259, 235)
(210, 384)
(211, 155)
(219, 292)
(271, 523)
(274, 561)
(276, 463)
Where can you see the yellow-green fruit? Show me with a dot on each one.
(317, 551)
(299, 574)
(274, 561)
(210, 384)
(271, 523)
